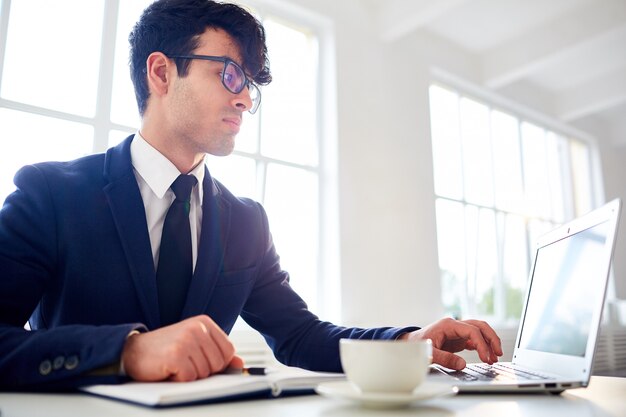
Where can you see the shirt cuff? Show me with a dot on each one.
(121, 371)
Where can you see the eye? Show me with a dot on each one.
(228, 77)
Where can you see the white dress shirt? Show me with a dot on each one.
(155, 173)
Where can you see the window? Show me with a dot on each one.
(500, 181)
(48, 84)
(276, 158)
(63, 96)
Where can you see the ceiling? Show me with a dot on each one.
(571, 53)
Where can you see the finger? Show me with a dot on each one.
(185, 371)
(469, 345)
(209, 353)
(200, 363)
(212, 328)
(187, 362)
(223, 342)
(447, 359)
(190, 358)
(236, 362)
(218, 358)
(196, 348)
(473, 335)
(221, 347)
(216, 347)
(490, 335)
(198, 356)
(203, 327)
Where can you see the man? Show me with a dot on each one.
(84, 244)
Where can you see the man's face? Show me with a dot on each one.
(203, 116)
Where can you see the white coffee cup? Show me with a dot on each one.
(397, 366)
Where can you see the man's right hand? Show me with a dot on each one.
(191, 349)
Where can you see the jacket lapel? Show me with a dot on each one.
(215, 225)
(129, 216)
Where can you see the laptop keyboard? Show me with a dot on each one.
(497, 372)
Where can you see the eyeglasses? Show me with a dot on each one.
(234, 78)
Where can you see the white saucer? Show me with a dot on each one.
(346, 391)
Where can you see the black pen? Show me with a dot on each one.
(254, 370)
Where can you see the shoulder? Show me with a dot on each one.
(81, 166)
(91, 170)
(62, 176)
(225, 196)
(245, 213)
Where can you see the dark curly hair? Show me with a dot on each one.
(174, 26)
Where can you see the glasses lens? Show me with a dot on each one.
(234, 78)
(255, 96)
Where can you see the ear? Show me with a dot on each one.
(159, 73)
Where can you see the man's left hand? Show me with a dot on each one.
(449, 336)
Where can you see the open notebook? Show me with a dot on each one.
(216, 388)
(560, 321)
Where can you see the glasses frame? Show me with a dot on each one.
(227, 61)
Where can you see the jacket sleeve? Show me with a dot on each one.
(295, 334)
(55, 358)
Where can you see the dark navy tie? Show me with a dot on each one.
(175, 266)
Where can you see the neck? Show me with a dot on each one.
(184, 160)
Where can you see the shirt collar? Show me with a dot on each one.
(158, 171)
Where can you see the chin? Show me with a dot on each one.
(220, 153)
(217, 147)
(224, 150)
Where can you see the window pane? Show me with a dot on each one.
(537, 189)
(487, 262)
(482, 266)
(450, 244)
(515, 263)
(45, 139)
(507, 162)
(117, 136)
(237, 173)
(288, 108)
(471, 247)
(581, 173)
(291, 201)
(52, 60)
(248, 138)
(476, 143)
(554, 145)
(123, 103)
(447, 164)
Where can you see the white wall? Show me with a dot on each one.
(388, 245)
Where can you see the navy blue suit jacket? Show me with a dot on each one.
(75, 260)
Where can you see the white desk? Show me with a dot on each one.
(605, 397)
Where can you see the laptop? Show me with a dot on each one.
(556, 338)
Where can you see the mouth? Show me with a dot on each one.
(233, 122)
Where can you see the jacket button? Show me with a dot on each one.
(45, 367)
(71, 362)
(58, 363)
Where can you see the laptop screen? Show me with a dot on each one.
(564, 293)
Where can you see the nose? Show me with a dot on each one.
(242, 101)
